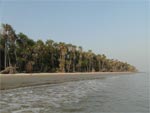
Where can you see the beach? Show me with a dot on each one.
(10, 81)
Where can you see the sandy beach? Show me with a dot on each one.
(9, 81)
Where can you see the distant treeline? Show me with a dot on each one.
(27, 55)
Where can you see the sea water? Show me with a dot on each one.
(113, 94)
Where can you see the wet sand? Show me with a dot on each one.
(9, 81)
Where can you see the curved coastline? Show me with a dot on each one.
(10, 81)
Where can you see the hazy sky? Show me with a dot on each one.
(117, 28)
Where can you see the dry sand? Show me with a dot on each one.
(9, 81)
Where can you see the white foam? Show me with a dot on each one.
(34, 110)
(47, 95)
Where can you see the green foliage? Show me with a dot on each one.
(30, 56)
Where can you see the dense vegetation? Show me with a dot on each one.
(26, 55)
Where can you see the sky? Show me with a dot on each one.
(120, 29)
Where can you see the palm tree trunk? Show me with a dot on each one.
(99, 65)
(5, 62)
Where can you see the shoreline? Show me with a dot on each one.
(73, 73)
(11, 81)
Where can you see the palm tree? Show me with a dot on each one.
(69, 57)
(103, 61)
(63, 51)
(50, 51)
(24, 51)
(9, 36)
(80, 58)
(90, 59)
(74, 57)
(40, 50)
(99, 57)
(2, 48)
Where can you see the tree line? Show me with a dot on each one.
(26, 55)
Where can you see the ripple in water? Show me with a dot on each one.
(115, 94)
(46, 98)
